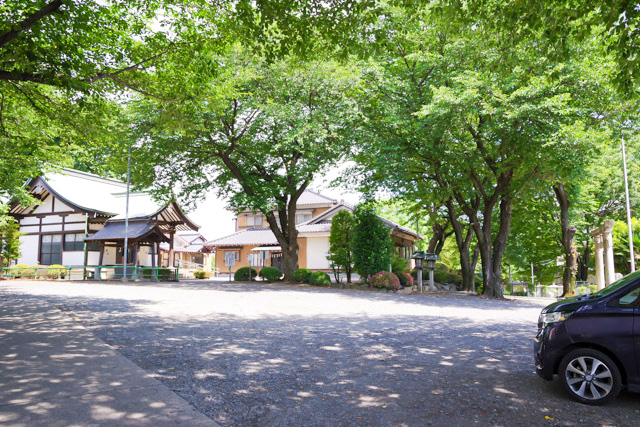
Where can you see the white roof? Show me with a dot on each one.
(95, 193)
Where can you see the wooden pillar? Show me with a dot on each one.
(101, 254)
(153, 254)
(136, 257)
(171, 254)
(159, 261)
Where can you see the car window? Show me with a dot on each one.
(630, 297)
(617, 285)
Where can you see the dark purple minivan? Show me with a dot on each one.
(593, 342)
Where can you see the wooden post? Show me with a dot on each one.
(99, 269)
(154, 271)
(136, 256)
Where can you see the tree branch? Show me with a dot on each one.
(16, 30)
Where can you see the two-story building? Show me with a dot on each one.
(254, 244)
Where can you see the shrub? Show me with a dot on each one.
(406, 281)
(242, 275)
(302, 275)
(593, 288)
(22, 270)
(320, 278)
(385, 279)
(399, 264)
(272, 274)
(56, 271)
(201, 274)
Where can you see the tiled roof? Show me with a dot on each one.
(310, 197)
(250, 236)
(135, 230)
(324, 227)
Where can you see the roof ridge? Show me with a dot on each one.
(321, 195)
(89, 175)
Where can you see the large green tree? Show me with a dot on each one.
(340, 252)
(257, 132)
(473, 125)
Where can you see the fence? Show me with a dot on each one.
(104, 272)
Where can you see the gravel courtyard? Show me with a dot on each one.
(255, 354)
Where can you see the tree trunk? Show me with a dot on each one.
(463, 241)
(439, 236)
(568, 247)
(583, 263)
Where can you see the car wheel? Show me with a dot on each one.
(590, 376)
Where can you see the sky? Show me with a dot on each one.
(216, 221)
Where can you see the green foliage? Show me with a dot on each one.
(9, 237)
(22, 270)
(56, 271)
(399, 264)
(341, 242)
(243, 273)
(372, 247)
(201, 274)
(319, 278)
(271, 274)
(621, 245)
(406, 281)
(302, 275)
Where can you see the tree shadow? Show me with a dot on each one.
(353, 369)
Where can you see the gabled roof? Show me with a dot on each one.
(105, 197)
(310, 197)
(136, 231)
(249, 236)
(328, 214)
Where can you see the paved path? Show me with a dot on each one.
(277, 355)
(53, 372)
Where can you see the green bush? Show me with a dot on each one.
(406, 281)
(242, 275)
(56, 271)
(593, 288)
(399, 264)
(148, 273)
(201, 274)
(302, 275)
(320, 278)
(22, 270)
(272, 274)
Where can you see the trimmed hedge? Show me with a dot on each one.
(319, 278)
(272, 274)
(242, 275)
(56, 271)
(302, 275)
(201, 274)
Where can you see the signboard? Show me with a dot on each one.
(229, 259)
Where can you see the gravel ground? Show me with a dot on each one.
(256, 354)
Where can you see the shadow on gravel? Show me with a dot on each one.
(344, 370)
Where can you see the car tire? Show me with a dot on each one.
(590, 376)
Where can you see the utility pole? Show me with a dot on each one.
(626, 192)
(126, 217)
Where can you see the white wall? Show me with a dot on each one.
(317, 250)
(29, 249)
(73, 258)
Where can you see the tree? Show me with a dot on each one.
(372, 247)
(466, 120)
(255, 131)
(340, 244)
(9, 237)
(64, 62)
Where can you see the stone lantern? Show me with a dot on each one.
(419, 257)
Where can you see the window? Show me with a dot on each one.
(630, 297)
(51, 249)
(303, 217)
(74, 242)
(231, 257)
(253, 220)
